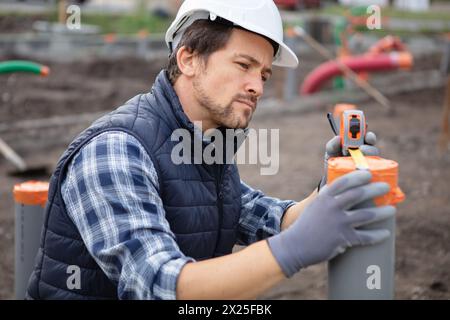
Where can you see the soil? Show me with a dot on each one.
(409, 137)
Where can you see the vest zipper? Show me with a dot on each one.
(219, 203)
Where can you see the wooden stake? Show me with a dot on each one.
(372, 91)
(62, 15)
(12, 156)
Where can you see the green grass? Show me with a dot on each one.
(128, 23)
(125, 24)
(391, 12)
(108, 23)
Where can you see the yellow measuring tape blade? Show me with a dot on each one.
(359, 159)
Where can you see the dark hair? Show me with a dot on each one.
(204, 37)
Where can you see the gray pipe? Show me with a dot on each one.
(28, 225)
(365, 273)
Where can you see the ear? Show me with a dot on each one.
(187, 61)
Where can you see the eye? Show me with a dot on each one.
(264, 78)
(243, 65)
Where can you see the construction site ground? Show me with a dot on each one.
(409, 136)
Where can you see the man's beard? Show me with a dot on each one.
(223, 116)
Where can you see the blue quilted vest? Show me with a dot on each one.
(202, 202)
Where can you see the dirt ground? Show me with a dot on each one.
(410, 137)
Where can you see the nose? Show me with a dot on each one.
(255, 86)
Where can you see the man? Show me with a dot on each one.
(139, 226)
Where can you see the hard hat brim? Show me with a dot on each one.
(286, 58)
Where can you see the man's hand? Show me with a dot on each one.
(333, 149)
(328, 225)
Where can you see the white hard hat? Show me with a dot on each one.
(259, 16)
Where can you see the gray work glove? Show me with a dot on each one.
(333, 149)
(328, 225)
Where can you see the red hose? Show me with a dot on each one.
(330, 69)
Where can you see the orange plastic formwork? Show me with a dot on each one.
(31, 193)
(383, 170)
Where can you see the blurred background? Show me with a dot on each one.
(63, 64)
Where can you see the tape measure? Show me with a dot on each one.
(352, 131)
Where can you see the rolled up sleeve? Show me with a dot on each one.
(261, 215)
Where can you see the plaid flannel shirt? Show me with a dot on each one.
(111, 194)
